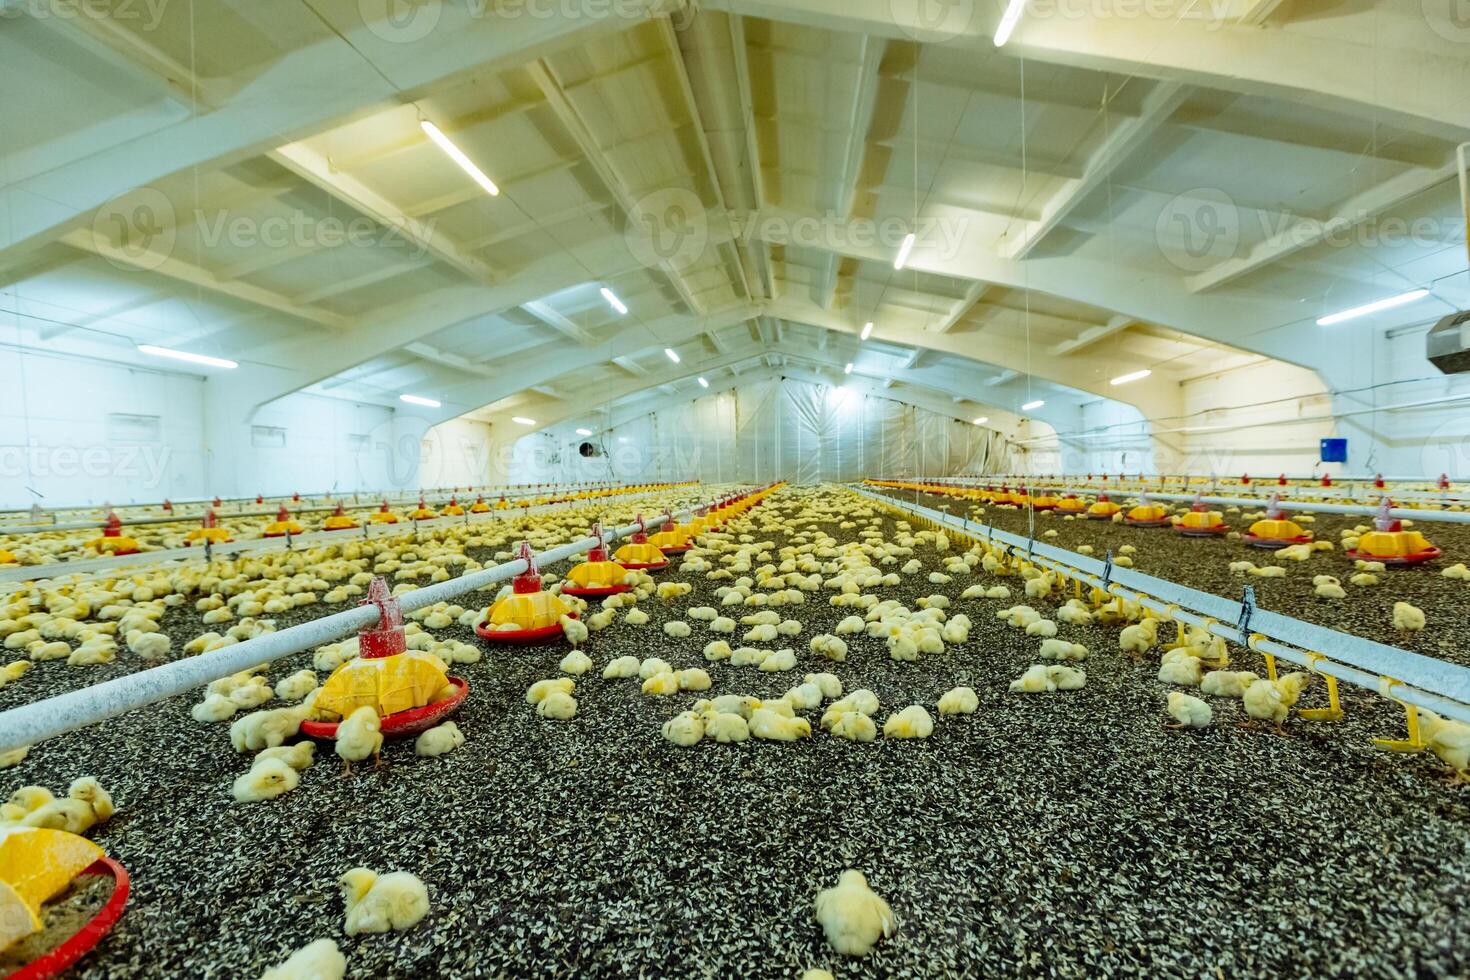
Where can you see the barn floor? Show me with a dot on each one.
(1065, 834)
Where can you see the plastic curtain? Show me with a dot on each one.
(774, 429)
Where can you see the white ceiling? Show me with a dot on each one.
(1100, 195)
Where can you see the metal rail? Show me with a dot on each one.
(1399, 675)
(36, 722)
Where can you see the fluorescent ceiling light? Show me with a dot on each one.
(613, 301)
(521, 419)
(867, 331)
(703, 383)
(417, 400)
(183, 355)
(1382, 304)
(1123, 379)
(584, 432)
(671, 354)
(904, 250)
(982, 420)
(1008, 21)
(457, 155)
(848, 369)
(1030, 405)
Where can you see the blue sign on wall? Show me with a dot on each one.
(1334, 450)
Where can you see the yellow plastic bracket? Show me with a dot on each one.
(1333, 711)
(1415, 741)
(1254, 644)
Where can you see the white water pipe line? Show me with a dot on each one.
(36, 722)
(1411, 513)
(1399, 675)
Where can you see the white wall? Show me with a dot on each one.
(75, 430)
(1262, 419)
(456, 454)
(761, 431)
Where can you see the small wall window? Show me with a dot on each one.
(267, 437)
(134, 429)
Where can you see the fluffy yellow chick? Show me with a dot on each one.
(214, 708)
(1272, 701)
(266, 780)
(1364, 579)
(1227, 683)
(1180, 667)
(767, 723)
(575, 663)
(558, 705)
(781, 660)
(321, 960)
(543, 689)
(440, 740)
(653, 666)
(1448, 739)
(853, 916)
(834, 648)
(574, 630)
(1036, 680)
(684, 729)
(299, 756)
(662, 684)
(622, 667)
(1329, 590)
(1188, 711)
(297, 686)
(360, 735)
(694, 679)
(911, 722)
(1139, 637)
(677, 628)
(1067, 678)
(377, 903)
(959, 701)
(1457, 571)
(829, 685)
(726, 728)
(1407, 618)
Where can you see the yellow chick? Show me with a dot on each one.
(1448, 739)
(90, 791)
(959, 701)
(1067, 678)
(1188, 711)
(653, 666)
(853, 917)
(558, 705)
(299, 756)
(662, 685)
(543, 689)
(693, 679)
(677, 628)
(781, 660)
(1036, 680)
(377, 903)
(321, 960)
(1227, 683)
(214, 708)
(911, 722)
(440, 740)
(574, 630)
(266, 780)
(621, 668)
(636, 617)
(1407, 618)
(1272, 701)
(297, 686)
(828, 684)
(360, 735)
(768, 723)
(726, 728)
(684, 729)
(575, 663)
(1364, 579)
(1329, 590)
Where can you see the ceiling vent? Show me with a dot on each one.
(1448, 344)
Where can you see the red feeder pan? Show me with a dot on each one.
(597, 556)
(402, 723)
(85, 939)
(530, 637)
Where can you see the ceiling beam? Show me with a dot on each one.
(859, 126)
(544, 312)
(164, 264)
(961, 309)
(428, 352)
(1124, 140)
(1304, 233)
(571, 120)
(1092, 335)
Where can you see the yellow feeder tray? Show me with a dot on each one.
(453, 508)
(1275, 531)
(390, 684)
(113, 541)
(1201, 522)
(1103, 510)
(338, 521)
(383, 515)
(422, 512)
(1147, 514)
(598, 576)
(8, 558)
(208, 530)
(479, 506)
(35, 865)
(1391, 544)
(1071, 505)
(671, 539)
(528, 614)
(638, 553)
(282, 525)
